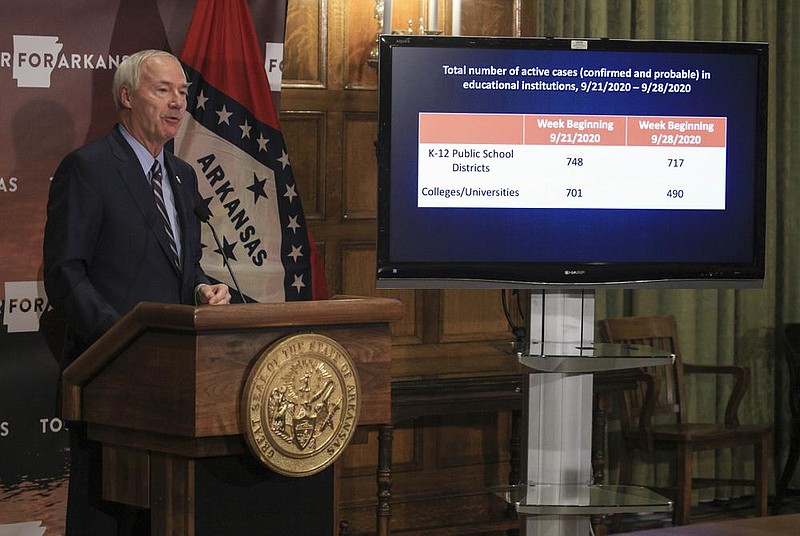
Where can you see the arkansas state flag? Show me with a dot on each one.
(232, 138)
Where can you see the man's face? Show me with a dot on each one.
(158, 103)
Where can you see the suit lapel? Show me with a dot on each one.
(177, 192)
(130, 171)
(132, 176)
(181, 203)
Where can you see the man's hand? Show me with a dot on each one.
(213, 294)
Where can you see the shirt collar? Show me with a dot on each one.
(143, 155)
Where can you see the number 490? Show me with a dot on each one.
(675, 194)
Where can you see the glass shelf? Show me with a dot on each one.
(565, 499)
(573, 358)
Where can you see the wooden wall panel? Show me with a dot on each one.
(304, 58)
(464, 456)
(358, 491)
(478, 17)
(360, 177)
(361, 458)
(489, 17)
(440, 477)
(361, 30)
(304, 134)
(473, 440)
(442, 465)
(472, 315)
(358, 269)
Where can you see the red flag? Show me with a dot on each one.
(232, 137)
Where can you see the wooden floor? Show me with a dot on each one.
(720, 518)
(753, 526)
(718, 511)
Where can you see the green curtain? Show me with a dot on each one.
(720, 326)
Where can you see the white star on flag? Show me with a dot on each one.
(262, 142)
(245, 129)
(290, 193)
(284, 159)
(224, 114)
(298, 282)
(293, 225)
(295, 253)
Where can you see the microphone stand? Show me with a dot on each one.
(204, 217)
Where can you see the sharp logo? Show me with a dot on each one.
(36, 57)
(574, 272)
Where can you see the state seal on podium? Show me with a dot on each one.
(300, 404)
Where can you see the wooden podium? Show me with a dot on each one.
(162, 389)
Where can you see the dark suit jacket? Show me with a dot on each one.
(105, 246)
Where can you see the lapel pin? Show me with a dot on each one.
(177, 178)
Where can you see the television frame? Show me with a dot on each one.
(391, 273)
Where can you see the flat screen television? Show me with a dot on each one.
(585, 163)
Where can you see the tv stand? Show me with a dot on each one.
(557, 495)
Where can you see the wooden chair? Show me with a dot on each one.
(665, 395)
(791, 351)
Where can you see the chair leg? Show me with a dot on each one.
(625, 465)
(761, 476)
(788, 470)
(683, 483)
(625, 475)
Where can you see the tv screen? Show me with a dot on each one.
(587, 163)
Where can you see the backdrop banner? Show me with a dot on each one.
(57, 61)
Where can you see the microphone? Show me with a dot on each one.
(204, 215)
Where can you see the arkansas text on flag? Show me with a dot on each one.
(232, 138)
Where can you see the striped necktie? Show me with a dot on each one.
(158, 194)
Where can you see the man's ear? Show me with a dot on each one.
(125, 97)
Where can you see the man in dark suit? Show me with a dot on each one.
(121, 230)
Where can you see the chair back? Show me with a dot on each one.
(660, 332)
(791, 340)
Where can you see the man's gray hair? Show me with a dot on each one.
(127, 73)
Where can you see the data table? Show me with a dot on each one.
(571, 161)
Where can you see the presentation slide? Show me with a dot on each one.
(571, 155)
